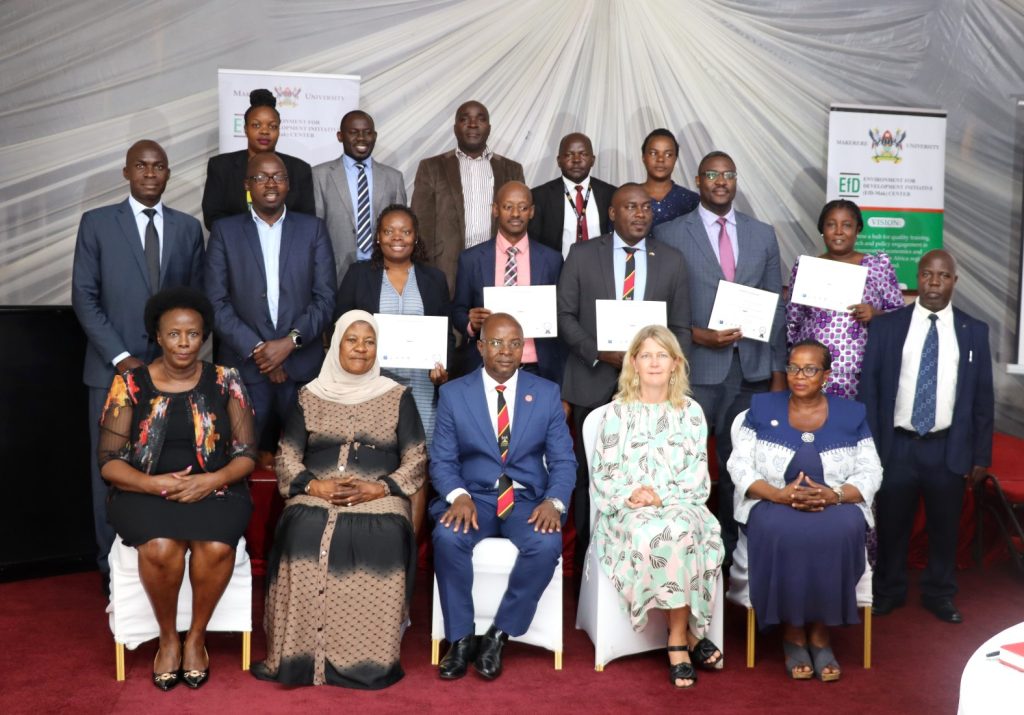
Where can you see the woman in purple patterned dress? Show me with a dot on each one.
(845, 333)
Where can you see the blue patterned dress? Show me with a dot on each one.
(679, 201)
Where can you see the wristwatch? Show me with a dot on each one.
(296, 337)
(557, 503)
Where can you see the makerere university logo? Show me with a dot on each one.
(887, 146)
(288, 96)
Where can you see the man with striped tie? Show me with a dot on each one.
(502, 463)
(352, 190)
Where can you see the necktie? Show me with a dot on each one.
(581, 217)
(923, 415)
(725, 256)
(627, 284)
(511, 272)
(364, 236)
(152, 248)
(506, 494)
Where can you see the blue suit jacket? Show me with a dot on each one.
(970, 435)
(476, 270)
(110, 282)
(465, 454)
(757, 266)
(236, 284)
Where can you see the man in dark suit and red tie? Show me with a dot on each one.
(512, 258)
(573, 207)
(502, 463)
(927, 384)
(124, 254)
(271, 278)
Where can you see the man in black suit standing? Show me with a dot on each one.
(573, 207)
(125, 253)
(927, 385)
(625, 264)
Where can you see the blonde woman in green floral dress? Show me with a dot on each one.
(655, 538)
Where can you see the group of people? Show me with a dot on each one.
(299, 254)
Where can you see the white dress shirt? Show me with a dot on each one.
(491, 395)
(639, 266)
(142, 221)
(270, 246)
(713, 228)
(569, 222)
(948, 364)
(477, 195)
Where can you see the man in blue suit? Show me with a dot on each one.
(502, 462)
(124, 253)
(927, 385)
(271, 278)
(510, 259)
(720, 243)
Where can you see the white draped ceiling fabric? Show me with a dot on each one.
(82, 79)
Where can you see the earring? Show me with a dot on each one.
(672, 380)
(636, 381)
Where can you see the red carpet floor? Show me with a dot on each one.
(58, 656)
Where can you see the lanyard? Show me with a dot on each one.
(580, 217)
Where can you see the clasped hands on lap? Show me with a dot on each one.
(185, 487)
(346, 491)
(462, 515)
(805, 494)
(643, 496)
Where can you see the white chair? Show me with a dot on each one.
(600, 611)
(131, 616)
(493, 560)
(739, 586)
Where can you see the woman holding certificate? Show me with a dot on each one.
(805, 470)
(844, 332)
(397, 280)
(341, 571)
(655, 537)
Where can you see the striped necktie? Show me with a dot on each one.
(511, 272)
(922, 417)
(627, 284)
(506, 494)
(364, 234)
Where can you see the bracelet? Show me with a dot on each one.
(308, 485)
(839, 495)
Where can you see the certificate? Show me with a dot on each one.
(832, 285)
(619, 320)
(750, 309)
(533, 306)
(416, 341)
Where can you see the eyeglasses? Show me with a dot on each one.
(496, 344)
(711, 175)
(807, 370)
(278, 178)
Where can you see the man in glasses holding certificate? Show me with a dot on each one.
(722, 245)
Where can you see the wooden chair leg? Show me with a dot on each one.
(867, 637)
(435, 652)
(119, 661)
(599, 667)
(751, 636)
(558, 660)
(246, 649)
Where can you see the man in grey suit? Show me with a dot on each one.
(599, 269)
(124, 253)
(352, 190)
(720, 243)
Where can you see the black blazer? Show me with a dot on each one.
(224, 193)
(550, 205)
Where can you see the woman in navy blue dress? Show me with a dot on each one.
(669, 200)
(806, 471)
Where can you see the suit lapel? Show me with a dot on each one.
(523, 415)
(251, 238)
(902, 328)
(963, 340)
(653, 270)
(605, 250)
(487, 255)
(744, 261)
(699, 235)
(170, 232)
(476, 402)
(339, 180)
(130, 231)
(454, 179)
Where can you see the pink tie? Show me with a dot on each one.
(726, 258)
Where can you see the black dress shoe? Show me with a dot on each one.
(195, 678)
(456, 660)
(884, 606)
(488, 657)
(943, 609)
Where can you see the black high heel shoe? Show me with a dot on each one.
(195, 678)
(681, 671)
(168, 680)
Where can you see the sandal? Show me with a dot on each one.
(702, 653)
(681, 671)
(797, 657)
(825, 658)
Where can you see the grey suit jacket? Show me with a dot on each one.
(334, 204)
(110, 282)
(757, 265)
(588, 275)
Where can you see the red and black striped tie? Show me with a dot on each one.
(506, 495)
(627, 284)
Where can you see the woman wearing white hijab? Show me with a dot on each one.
(341, 570)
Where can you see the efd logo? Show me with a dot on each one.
(849, 185)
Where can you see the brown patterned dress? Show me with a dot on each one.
(340, 578)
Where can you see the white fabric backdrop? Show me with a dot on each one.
(81, 79)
